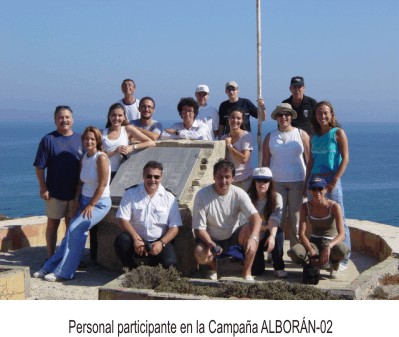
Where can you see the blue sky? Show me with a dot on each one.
(78, 52)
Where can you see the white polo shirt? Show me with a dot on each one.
(150, 217)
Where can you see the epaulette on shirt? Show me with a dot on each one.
(134, 186)
(170, 191)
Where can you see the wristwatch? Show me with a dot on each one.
(163, 243)
(177, 132)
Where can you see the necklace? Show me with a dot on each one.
(283, 134)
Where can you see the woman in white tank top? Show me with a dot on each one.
(117, 134)
(285, 151)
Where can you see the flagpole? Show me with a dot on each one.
(259, 72)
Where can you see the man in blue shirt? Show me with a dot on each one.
(59, 155)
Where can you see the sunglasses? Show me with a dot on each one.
(283, 114)
(231, 89)
(155, 176)
(260, 180)
(317, 189)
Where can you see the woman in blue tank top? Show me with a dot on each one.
(329, 157)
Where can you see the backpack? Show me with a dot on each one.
(311, 274)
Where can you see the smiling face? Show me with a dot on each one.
(128, 88)
(64, 121)
(152, 178)
(324, 116)
(232, 93)
(297, 91)
(187, 116)
(117, 117)
(223, 179)
(202, 98)
(90, 142)
(284, 120)
(235, 120)
(146, 109)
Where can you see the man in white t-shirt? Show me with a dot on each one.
(150, 219)
(216, 215)
(207, 113)
(130, 103)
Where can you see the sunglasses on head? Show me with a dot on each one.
(317, 188)
(155, 176)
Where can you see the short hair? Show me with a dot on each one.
(333, 123)
(147, 98)
(129, 80)
(224, 165)
(60, 108)
(97, 135)
(242, 111)
(114, 107)
(153, 164)
(190, 102)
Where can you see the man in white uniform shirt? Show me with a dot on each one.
(207, 113)
(149, 218)
(216, 223)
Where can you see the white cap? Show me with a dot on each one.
(262, 173)
(202, 88)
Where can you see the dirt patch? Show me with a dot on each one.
(389, 279)
(169, 280)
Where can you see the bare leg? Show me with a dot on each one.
(204, 256)
(249, 256)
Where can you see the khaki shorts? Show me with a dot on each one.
(57, 209)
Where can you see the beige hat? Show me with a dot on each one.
(231, 84)
(284, 107)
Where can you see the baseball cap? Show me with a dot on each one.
(262, 173)
(202, 88)
(297, 80)
(317, 181)
(232, 84)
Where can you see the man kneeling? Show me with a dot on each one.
(149, 218)
(216, 214)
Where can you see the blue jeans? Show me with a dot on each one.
(67, 257)
(337, 196)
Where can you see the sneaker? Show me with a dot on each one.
(52, 278)
(281, 273)
(342, 267)
(249, 278)
(334, 274)
(212, 275)
(39, 274)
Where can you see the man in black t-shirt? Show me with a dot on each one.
(303, 105)
(236, 102)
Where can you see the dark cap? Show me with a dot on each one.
(317, 181)
(297, 80)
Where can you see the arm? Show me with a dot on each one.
(302, 231)
(274, 222)
(255, 223)
(266, 151)
(44, 193)
(103, 174)
(150, 134)
(306, 145)
(309, 166)
(199, 132)
(262, 106)
(325, 254)
(342, 141)
(135, 133)
(242, 156)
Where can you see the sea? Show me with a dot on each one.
(370, 183)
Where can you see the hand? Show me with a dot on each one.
(87, 212)
(139, 247)
(270, 243)
(331, 185)
(261, 103)
(216, 250)
(228, 141)
(156, 248)
(45, 194)
(123, 149)
(171, 131)
(325, 255)
(252, 246)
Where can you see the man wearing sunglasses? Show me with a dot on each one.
(149, 218)
(303, 105)
(237, 102)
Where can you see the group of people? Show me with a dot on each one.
(241, 214)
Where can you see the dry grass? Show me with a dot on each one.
(162, 280)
